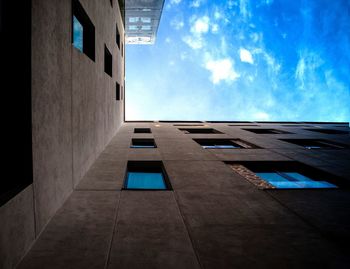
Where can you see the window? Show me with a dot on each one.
(146, 19)
(223, 143)
(328, 131)
(146, 27)
(108, 62)
(315, 143)
(147, 175)
(133, 19)
(293, 180)
(200, 131)
(117, 91)
(111, 1)
(77, 34)
(117, 36)
(83, 31)
(143, 143)
(122, 50)
(122, 93)
(133, 27)
(285, 175)
(266, 131)
(142, 130)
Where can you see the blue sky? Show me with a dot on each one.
(243, 60)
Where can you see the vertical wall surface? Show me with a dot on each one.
(74, 115)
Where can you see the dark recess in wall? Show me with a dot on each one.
(15, 49)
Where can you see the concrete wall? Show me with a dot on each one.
(74, 115)
(213, 217)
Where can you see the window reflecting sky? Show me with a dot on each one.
(243, 60)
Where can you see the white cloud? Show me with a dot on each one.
(244, 9)
(196, 3)
(261, 115)
(175, 2)
(221, 70)
(177, 23)
(214, 28)
(195, 42)
(246, 56)
(167, 40)
(201, 25)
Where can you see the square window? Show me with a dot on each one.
(315, 143)
(199, 131)
(133, 27)
(143, 143)
(223, 143)
(266, 131)
(133, 19)
(83, 31)
(286, 175)
(146, 27)
(147, 175)
(328, 131)
(142, 130)
(108, 62)
(146, 19)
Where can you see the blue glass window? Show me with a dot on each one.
(145, 180)
(77, 34)
(293, 180)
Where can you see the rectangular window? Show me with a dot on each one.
(77, 34)
(122, 93)
(146, 19)
(108, 62)
(293, 180)
(315, 143)
(328, 131)
(199, 131)
(147, 175)
(111, 1)
(223, 143)
(146, 27)
(117, 91)
(142, 130)
(143, 143)
(285, 175)
(117, 36)
(266, 131)
(83, 31)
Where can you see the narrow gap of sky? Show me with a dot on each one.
(243, 60)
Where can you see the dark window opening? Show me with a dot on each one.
(146, 175)
(83, 31)
(118, 37)
(200, 131)
(266, 131)
(243, 125)
(108, 62)
(328, 131)
(117, 91)
(142, 130)
(223, 143)
(143, 143)
(122, 93)
(111, 1)
(287, 175)
(122, 49)
(315, 143)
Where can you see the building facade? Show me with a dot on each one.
(88, 190)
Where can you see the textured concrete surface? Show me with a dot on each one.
(213, 218)
(17, 228)
(74, 115)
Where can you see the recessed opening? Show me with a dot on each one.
(142, 130)
(266, 131)
(286, 175)
(111, 1)
(315, 143)
(223, 143)
(143, 143)
(83, 31)
(108, 62)
(146, 175)
(117, 91)
(117, 36)
(199, 131)
(328, 131)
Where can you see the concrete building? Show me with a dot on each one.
(228, 194)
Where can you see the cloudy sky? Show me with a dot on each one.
(275, 60)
